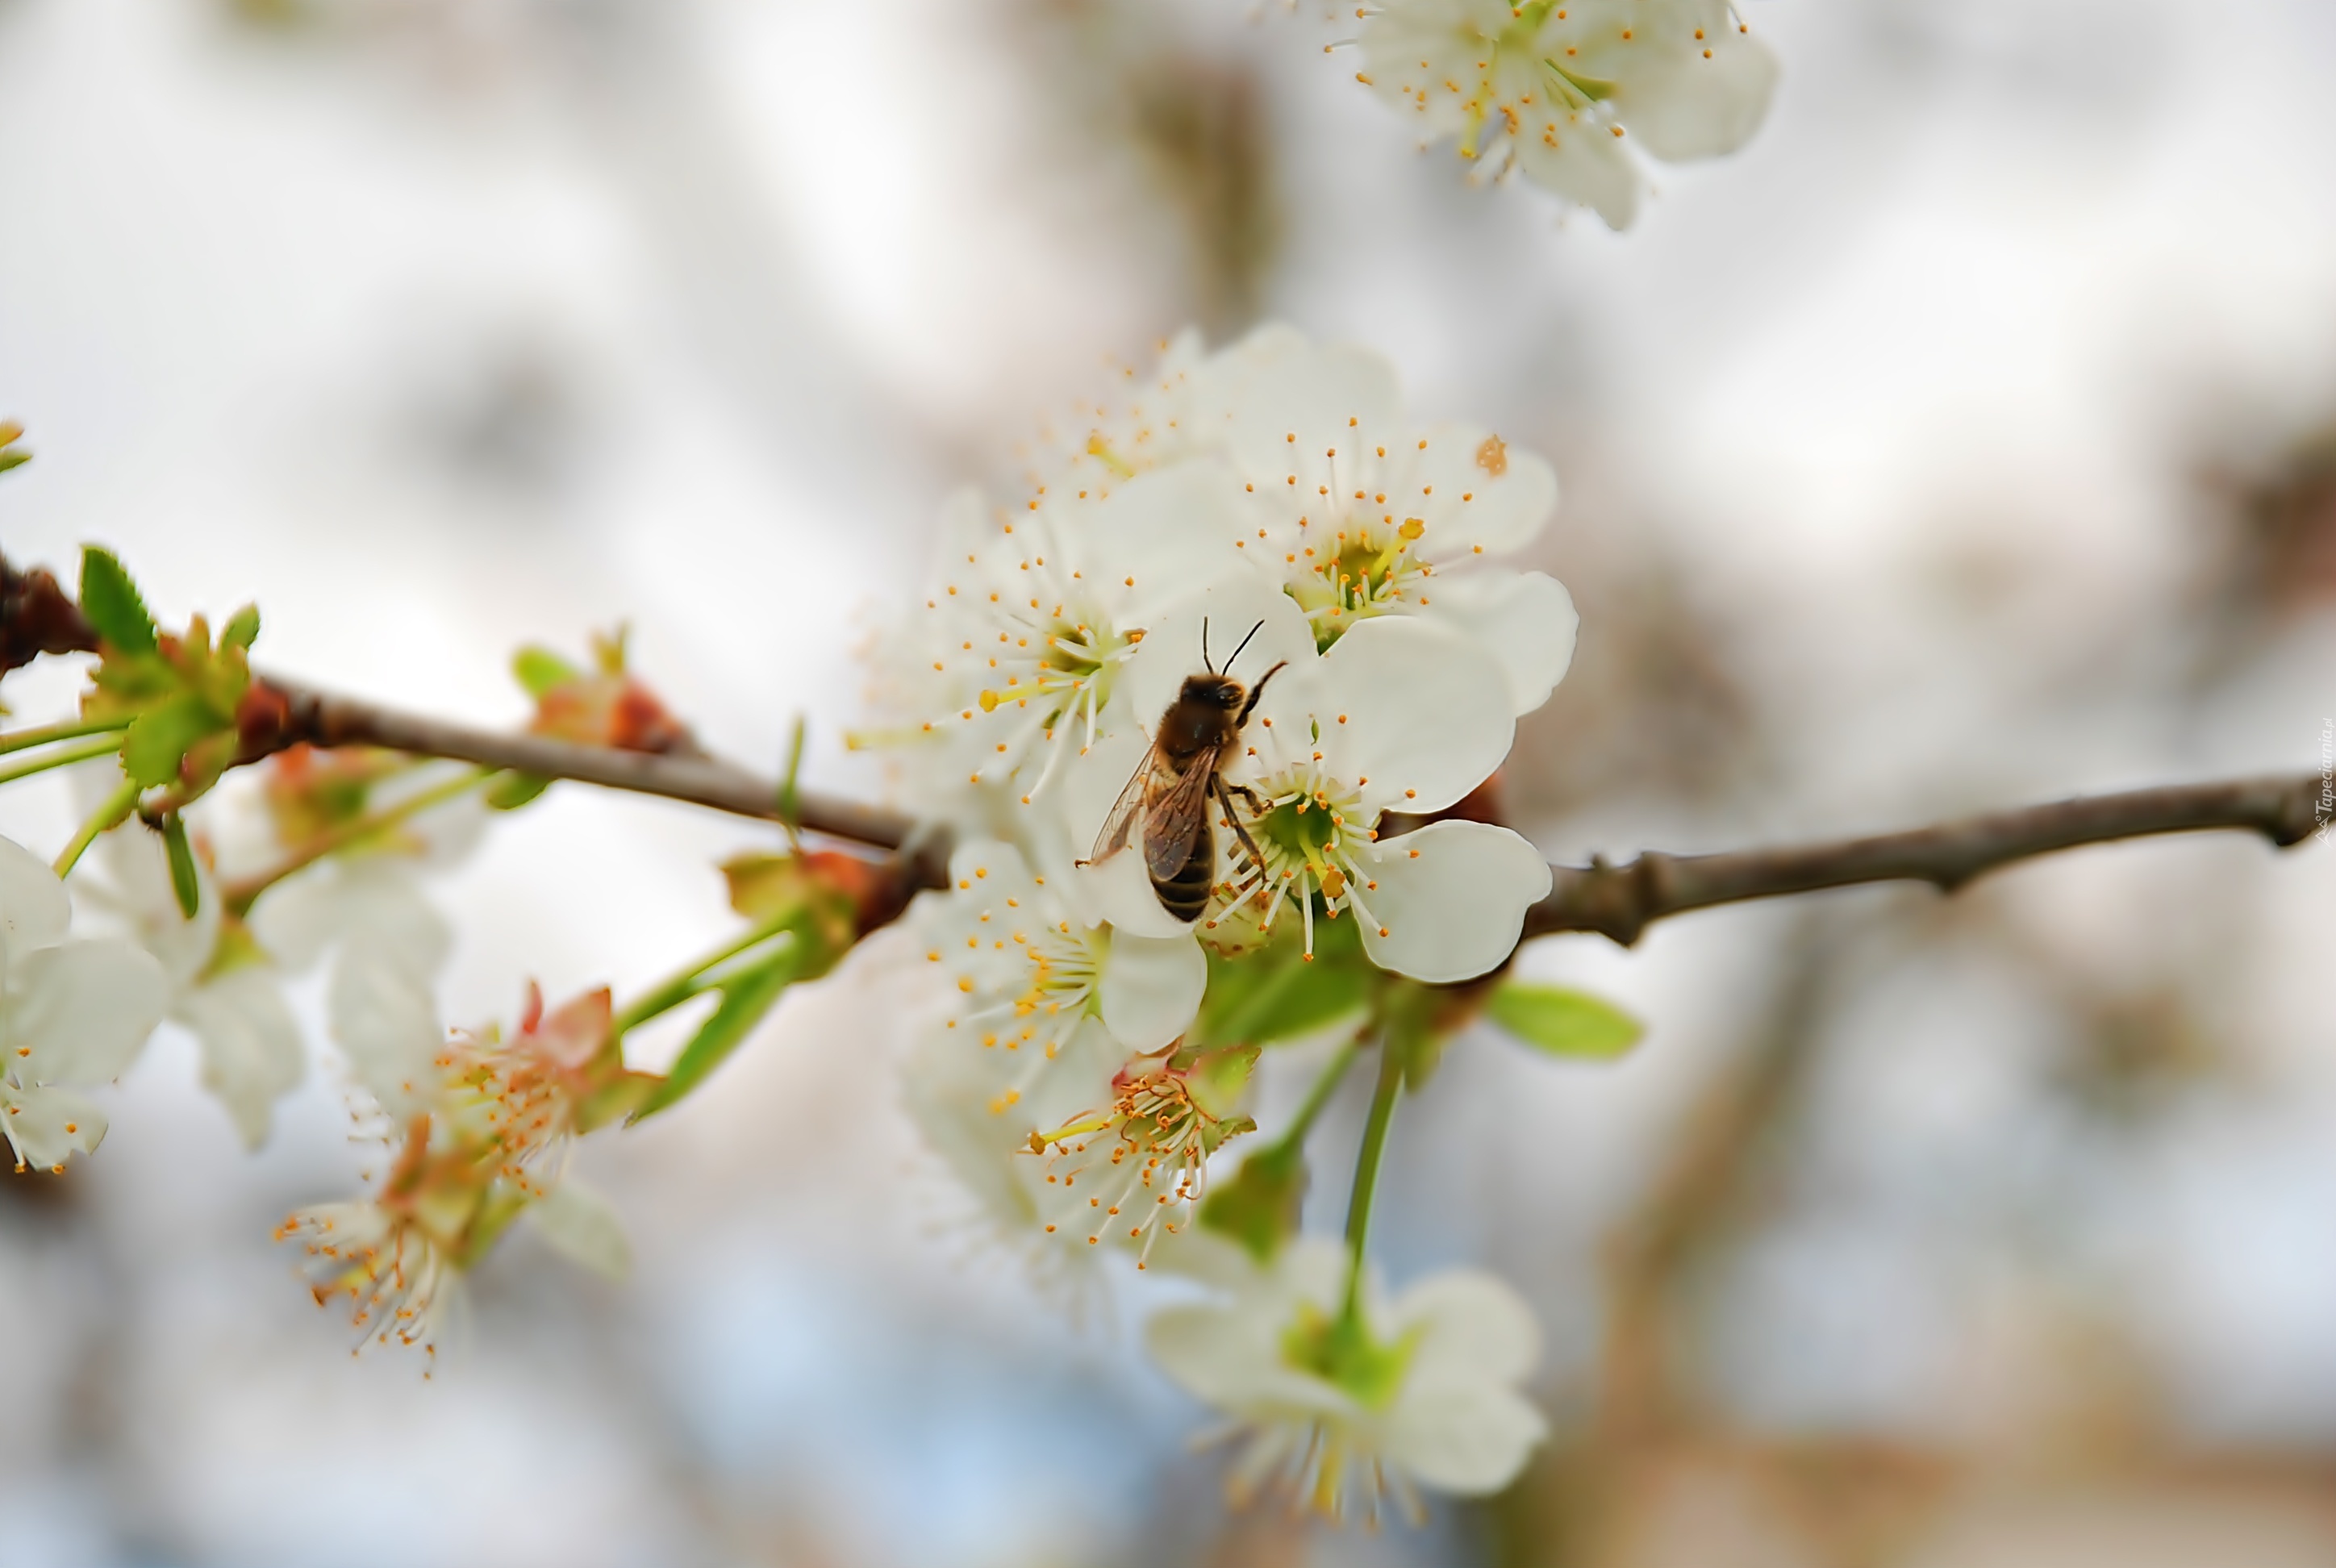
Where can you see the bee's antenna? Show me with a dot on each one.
(1237, 652)
(1204, 648)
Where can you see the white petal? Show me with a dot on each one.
(1524, 619)
(1152, 987)
(138, 893)
(251, 1049)
(81, 1013)
(44, 1124)
(34, 912)
(1501, 513)
(1468, 1440)
(1292, 412)
(1451, 899)
(387, 1023)
(1473, 1327)
(1171, 531)
(1225, 613)
(375, 903)
(1691, 107)
(1407, 705)
(1587, 164)
(578, 1222)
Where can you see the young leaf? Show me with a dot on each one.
(1563, 1023)
(110, 602)
(242, 629)
(183, 866)
(514, 790)
(156, 744)
(745, 1002)
(540, 670)
(1258, 1207)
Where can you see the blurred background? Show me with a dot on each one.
(1970, 438)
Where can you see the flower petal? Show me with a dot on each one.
(1681, 105)
(81, 1013)
(251, 1049)
(34, 912)
(1470, 1440)
(1224, 613)
(1524, 619)
(44, 1124)
(1172, 530)
(1452, 900)
(1407, 705)
(1473, 1327)
(385, 1021)
(1151, 988)
(578, 1222)
(1303, 416)
(1473, 491)
(1582, 160)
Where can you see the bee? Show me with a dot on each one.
(1178, 780)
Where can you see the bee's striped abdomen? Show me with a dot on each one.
(1186, 894)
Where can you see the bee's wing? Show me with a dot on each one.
(1114, 836)
(1174, 821)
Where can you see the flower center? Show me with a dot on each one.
(1340, 1350)
(1309, 838)
(1371, 567)
(1057, 666)
(1158, 1158)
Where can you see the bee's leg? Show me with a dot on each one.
(1255, 692)
(1224, 793)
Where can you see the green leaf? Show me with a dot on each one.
(13, 457)
(1260, 1206)
(1274, 995)
(540, 670)
(242, 629)
(514, 790)
(157, 743)
(745, 1002)
(183, 866)
(1563, 1023)
(110, 602)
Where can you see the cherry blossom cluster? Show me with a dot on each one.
(1267, 514)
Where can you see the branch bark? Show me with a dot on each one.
(1620, 901)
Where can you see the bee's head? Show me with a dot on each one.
(1217, 690)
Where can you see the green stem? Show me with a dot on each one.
(1366, 1170)
(18, 740)
(683, 983)
(1317, 1098)
(238, 897)
(62, 758)
(116, 807)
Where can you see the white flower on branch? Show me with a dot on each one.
(1358, 513)
(72, 1014)
(1559, 88)
(1400, 716)
(222, 985)
(1028, 967)
(1034, 612)
(1339, 1411)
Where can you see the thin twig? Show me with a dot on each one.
(320, 718)
(1620, 901)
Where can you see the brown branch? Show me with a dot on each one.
(1620, 901)
(298, 714)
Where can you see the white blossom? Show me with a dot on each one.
(1399, 715)
(1029, 966)
(1031, 616)
(1356, 513)
(222, 987)
(1558, 88)
(1422, 1390)
(72, 1014)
